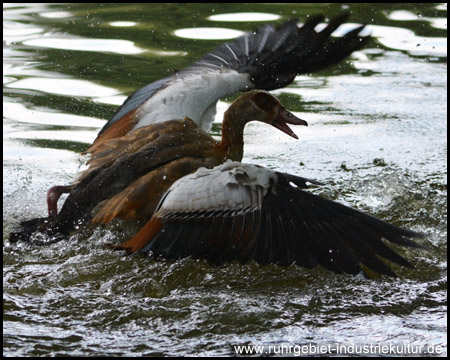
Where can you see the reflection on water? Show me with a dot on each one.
(401, 15)
(97, 45)
(205, 33)
(376, 137)
(244, 16)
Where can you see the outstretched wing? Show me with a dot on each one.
(272, 221)
(268, 58)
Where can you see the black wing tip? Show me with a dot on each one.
(404, 237)
(49, 227)
(19, 236)
(413, 244)
(26, 229)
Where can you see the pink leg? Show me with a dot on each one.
(53, 195)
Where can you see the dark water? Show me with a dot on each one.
(377, 137)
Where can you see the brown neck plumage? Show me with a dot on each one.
(232, 143)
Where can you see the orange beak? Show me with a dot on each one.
(285, 117)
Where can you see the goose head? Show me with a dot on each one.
(259, 105)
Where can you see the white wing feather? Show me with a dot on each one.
(194, 95)
(230, 186)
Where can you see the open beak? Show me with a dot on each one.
(285, 117)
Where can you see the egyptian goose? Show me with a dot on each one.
(268, 58)
(128, 175)
(246, 212)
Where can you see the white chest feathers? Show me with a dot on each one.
(232, 187)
